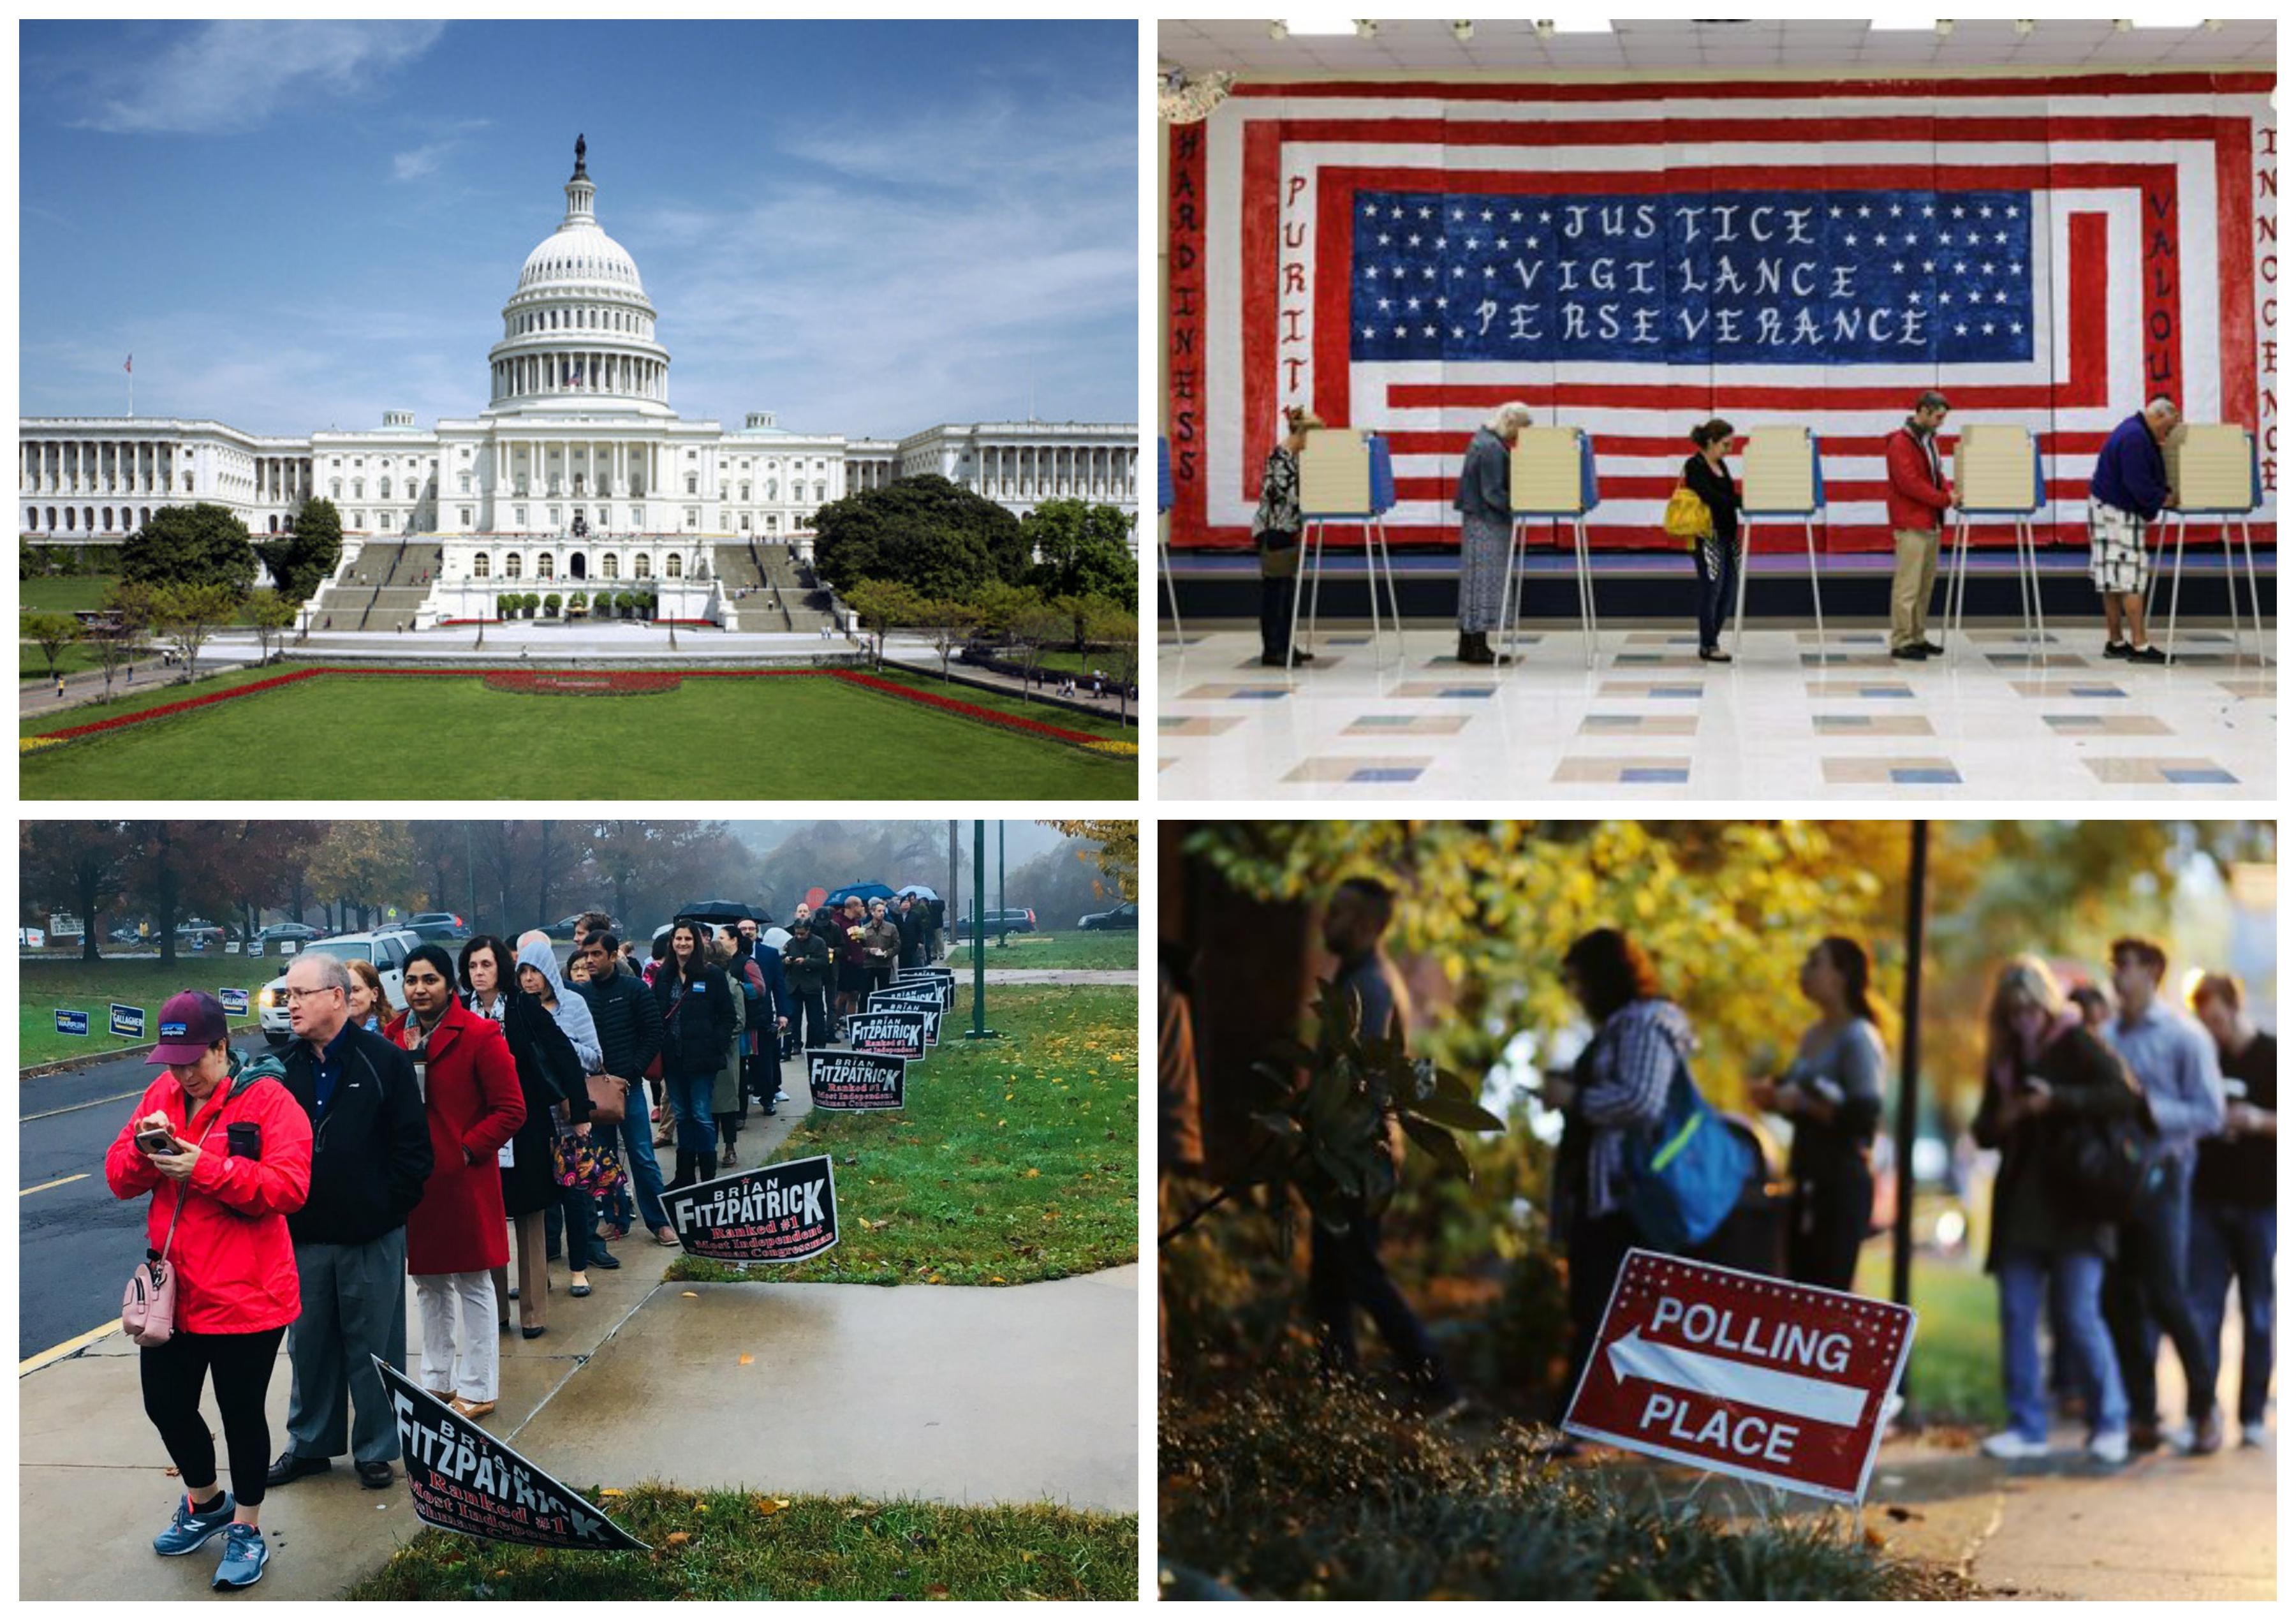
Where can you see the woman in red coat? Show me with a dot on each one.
(454, 1237)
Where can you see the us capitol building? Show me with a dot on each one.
(576, 469)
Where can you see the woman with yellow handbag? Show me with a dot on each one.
(1704, 511)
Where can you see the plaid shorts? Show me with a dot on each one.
(2118, 563)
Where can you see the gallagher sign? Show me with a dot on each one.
(1779, 1382)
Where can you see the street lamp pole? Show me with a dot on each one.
(1909, 1069)
(979, 1031)
(1003, 923)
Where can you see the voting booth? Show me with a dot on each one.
(1782, 481)
(1551, 477)
(1996, 473)
(2213, 472)
(1346, 476)
(1163, 537)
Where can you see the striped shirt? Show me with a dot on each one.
(1635, 1056)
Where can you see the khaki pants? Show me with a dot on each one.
(531, 1251)
(1910, 587)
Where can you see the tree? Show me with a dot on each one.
(52, 633)
(273, 614)
(1116, 851)
(530, 602)
(1082, 550)
(303, 557)
(949, 625)
(1078, 611)
(178, 868)
(204, 545)
(937, 537)
(1037, 629)
(116, 636)
(366, 866)
(1118, 632)
(88, 860)
(882, 604)
(997, 602)
(188, 615)
(550, 606)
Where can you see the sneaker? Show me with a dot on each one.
(2116, 650)
(781, 1096)
(2010, 1447)
(2252, 1434)
(2147, 654)
(2109, 1446)
(188, 1533)
(2201, 1436)
(726, 1158)
(244, 1555)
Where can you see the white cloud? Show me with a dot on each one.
(421, 161)
(224, 76)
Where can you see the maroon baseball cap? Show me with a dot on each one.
(191, 1023)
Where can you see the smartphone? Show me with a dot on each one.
(156, 1140)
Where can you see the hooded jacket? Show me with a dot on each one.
(369, 1147)
(234, 1259)
(572, 1012)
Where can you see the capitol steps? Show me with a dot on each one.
(781, 599)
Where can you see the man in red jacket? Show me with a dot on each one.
(1919, 495)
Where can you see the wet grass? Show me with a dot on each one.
(743, 1545)
(1063, 947)
(90, 987)
(1016, 1160)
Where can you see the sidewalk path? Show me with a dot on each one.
(39, 697)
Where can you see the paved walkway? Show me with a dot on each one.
(39, 697)
(953, 1394)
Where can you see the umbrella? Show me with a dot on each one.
(918, 889)
(719, 911)
(775, 937)
(868, 892)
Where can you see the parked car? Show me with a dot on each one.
(438, 926)
(386, 949)
(996, 920)
(124, 936)
(1125, 916)
(298, 932)
(564, 929)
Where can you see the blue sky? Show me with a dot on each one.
(867, 228)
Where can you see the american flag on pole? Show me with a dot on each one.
(130, 367)
(1633, 257)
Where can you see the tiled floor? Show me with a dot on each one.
(1794, 717)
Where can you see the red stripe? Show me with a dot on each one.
(1659, 134)
(1187, 314)
(1657, 487)
(2070, 83)
(1639, 537)
(1417, 441)
(2235, 272)
(1258, 249)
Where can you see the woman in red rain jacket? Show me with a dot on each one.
(456, 1237)
(236, 1160)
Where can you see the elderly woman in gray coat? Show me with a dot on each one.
(1486, 533)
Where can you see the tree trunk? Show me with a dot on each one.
(295, 895)
(164, 894)
(90, 883)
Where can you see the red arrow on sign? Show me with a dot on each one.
(1756, 1377)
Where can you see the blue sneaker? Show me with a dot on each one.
(188, 1533)
(244, 1555)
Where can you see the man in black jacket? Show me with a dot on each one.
(370, 1156)
(629, 1034)
(805, 964)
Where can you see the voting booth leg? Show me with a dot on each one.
(1956, 574)
(1376, 533)
(2028, 571)
(1311, 539)
(1585, 569)
(1171, 591)
(1511, 608)
(1817, 596)
(2175, 587)
(2255, 601)
(1738, 619)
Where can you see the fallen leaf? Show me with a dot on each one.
(769, 1505)
(169, 1469)
(938, 1590)
(1033, 1172)
(858, 1513)
(677, 1539)
(746, 1360)
(610, 1490)
(689, 1293)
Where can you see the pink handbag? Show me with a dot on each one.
(147, 1311)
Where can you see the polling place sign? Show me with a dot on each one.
(462, 1479)
(855, 1080)
(786, 1211)
(1782, 1383)
(901, 1033)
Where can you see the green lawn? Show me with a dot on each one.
(1016, 1160)
(70, 592)
(766, 739)
(43, 986)
(32, 664)
(1954, 1373)
(733, 1545)
(1068, 948)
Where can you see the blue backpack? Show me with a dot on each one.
(1684, 1174)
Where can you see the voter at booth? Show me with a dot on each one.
(1276, 530)
(1486, 510)
(2126, 491)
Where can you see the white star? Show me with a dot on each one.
(1458, 213)
(1428, 275)
(1928, 265)
(1397, 213)
(1371, 272)
(1987, 267)
(1957, 210)
(1473, 243)
(1383, 239)
(1835, 212)
(1402, 331)
(1486, 216)
(1945, 242)
(1385, 304)
(1960, 329)
(1959, 267)
(1514, 216)
(1366, 332)
(2001, 236)
(1895, 210)
(1973, 237)
(1927, 209)
(1442, 243)
(1945, 298)
(1442, 303)
(1428, 331)
(1530, 241)
(1897, 267)
(1916, 296)
(1413, 239)
(1490, 271)
(1544, 218)
(2016, 326)
(1458, 331)
(2016, 269)
(1987, 329)
(1851, 238)
(1863, 211)
(1458, 269)
(1426, 213)
(1909, 239)
(2001, 297)
(1985, 211)
(1502, 244)
(1411, 303)
(2011, 211)
(1371, 210)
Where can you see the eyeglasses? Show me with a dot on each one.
(294, 995)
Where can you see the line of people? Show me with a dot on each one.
(2128, 491)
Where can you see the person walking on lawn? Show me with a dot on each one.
(454, 1237)
(225, 1160)
(629, 1040)
(370, 1158)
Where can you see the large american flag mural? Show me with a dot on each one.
(1634, 257)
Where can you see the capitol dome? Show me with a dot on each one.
(579, 329)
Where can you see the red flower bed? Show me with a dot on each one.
(582, 683)
(588, 682)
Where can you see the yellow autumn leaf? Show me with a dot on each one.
(610, 1490)
(1032, 1171)
(769, 1505)
(677, 1539)
(689, 1294)
(747, 1359)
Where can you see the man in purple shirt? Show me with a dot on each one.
(2126, 491)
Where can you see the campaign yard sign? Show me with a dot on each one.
(786, 1211)
(855, 1080)
(128, 1021)
(1782, 1383)
(71, 1021)
(916, 994)
(940, 982)
(462, 1479)
(901, 1033)
(233, 1001)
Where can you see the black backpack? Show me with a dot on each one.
(2098, 1168)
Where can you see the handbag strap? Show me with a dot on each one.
(183, 1196)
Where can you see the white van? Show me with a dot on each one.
(386, 949)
